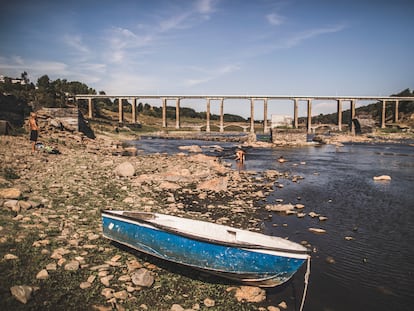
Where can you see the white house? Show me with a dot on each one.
(281, 121)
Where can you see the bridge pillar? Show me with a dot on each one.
(120, 111)
(208, 116)
(383, 113)
(251, 115)
(134, 110)
(164, 112)
(352, 125)
(396, 111)
(309, 119)
(339, 121)
(90, 108)
(295, 113)
(222, 115)
(177, 114)
(265, 128)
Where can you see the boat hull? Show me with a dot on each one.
(259, 267)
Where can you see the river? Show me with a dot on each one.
(365, 260)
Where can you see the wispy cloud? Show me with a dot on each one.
(275, 19)
(75, 42)
(298, 38)
(205, 6)
(210, 74)
(125, 44)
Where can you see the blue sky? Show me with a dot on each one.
(261, 47)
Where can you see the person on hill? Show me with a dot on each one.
(34, 129)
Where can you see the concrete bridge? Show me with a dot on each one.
(338, 100)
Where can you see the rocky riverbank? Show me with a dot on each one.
(52, 252)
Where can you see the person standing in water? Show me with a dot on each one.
(34, 129)
(240, 155)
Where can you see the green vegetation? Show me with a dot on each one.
(17, 99)
(20, 96)
(405, 108)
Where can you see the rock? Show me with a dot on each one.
(208, 302)
(317, 230)
(42, 275)
(10, 257)
(72, 265)
(10, 193)
(91, 279)
(108, 293)
(130, 151)
(51, 267)
(124, 278)
(106, 279)
(84, 285)
(22, 293)
(282, 305)
(133, 265)
(193, 148)
(25, 205)
(299, 206)
(330, 260)
(123, 294)
(382, 178)
(250, 294)
(313, 214)
(279, 207)
(142, 277)
(11, 204)
(176, 307)
(273, 308)
(216, 184)
(125, 169)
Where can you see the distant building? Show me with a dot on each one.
(281, 121)
(13, 80)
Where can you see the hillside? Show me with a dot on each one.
(405, 109)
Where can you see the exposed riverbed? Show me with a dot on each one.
(364, 260)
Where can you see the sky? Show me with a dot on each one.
(215, 47)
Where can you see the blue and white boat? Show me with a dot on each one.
(248, 257)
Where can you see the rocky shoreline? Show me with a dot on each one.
(53, 256)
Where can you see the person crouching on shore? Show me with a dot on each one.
(34, 129)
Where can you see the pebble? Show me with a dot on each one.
(85, 285)
(42, 275)
(142, 277)
(72, 265)
(106, 279)
(10, 257)
(22, 293)
(121, 295)
(208, 302)
(317, 230)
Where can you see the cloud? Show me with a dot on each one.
(210, 74)
(205, 6)
(174, 22)
(275, 19)
(309, 34)
(75, 41)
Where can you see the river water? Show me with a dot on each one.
(369, 237)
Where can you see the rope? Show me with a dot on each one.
(307, 274)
